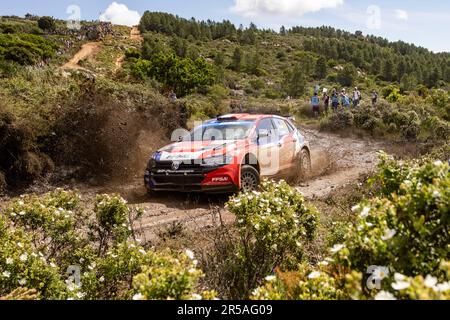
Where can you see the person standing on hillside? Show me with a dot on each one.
(326, 100)
(374, 98)
(315, 101)
(334, 100)
(345, 100)
(356, 97)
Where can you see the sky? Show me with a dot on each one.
(424, 23)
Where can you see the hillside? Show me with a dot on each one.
(83, 110)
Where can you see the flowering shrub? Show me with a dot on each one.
(405, 229)
(305, 284)
(170, 277)
(21, 265)
(51, 248)
(272, 228)
(112, 215)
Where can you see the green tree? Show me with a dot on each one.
(388, 69)
(253, 63)
(348, 75)
(47, 23)
(321, 68)
(294, 81)
(236, 60)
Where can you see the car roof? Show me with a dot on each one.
(245, 116)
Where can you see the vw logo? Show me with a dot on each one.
(176, 165)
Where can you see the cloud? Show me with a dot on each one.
(251, 8)
(118, 13)
(401, 15)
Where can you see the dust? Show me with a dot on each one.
(105, 141)
(321, 163)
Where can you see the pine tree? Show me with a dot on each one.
(321, 68)
(236, 62)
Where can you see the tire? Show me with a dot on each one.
(250, 178)
(303, 166)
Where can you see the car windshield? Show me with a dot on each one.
(222, 131)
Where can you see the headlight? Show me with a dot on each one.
(218, 160)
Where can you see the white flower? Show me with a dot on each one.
(190, 254)
(380, 273)
(196, 296)
(438, 163)
(102, 279)
(52, 265)
(142, 251)
(9, 260)
(138, 296)
(314, 275)
(22, 282)
(355, 208)
(21, 203)
(365, 212)
(384, 295)
(388, 234)
(6, 274)
(192, 270)
(323, 263)
(400, 283)
(19, 244)
(442, 287)
(21, 213)
(430, 281)
(23, 257)
(436, 194)
(80, 295)
(337, 248)
(270, 278)
(257, 226)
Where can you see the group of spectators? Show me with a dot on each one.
(337, 99)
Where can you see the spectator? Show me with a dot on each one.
(173, 97)
(315, 101)
(374, 98)
(356, 97)
(345, 100)
(334, 100)
(326, 100)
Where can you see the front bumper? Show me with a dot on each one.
(223, 179)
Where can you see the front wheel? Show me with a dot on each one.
(249, 178)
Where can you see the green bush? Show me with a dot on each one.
(273, 226)
(170, 277)
(403, 233)
(25, 49)
(44, 236)
(47, 23)
(335, 121)
(182, 75)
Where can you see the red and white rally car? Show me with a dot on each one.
(230, 153)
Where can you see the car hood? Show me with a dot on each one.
(191, 150)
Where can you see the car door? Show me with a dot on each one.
(267, 151)
(285, 142)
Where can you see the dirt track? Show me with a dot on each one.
(86, 51)
(337, 162)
